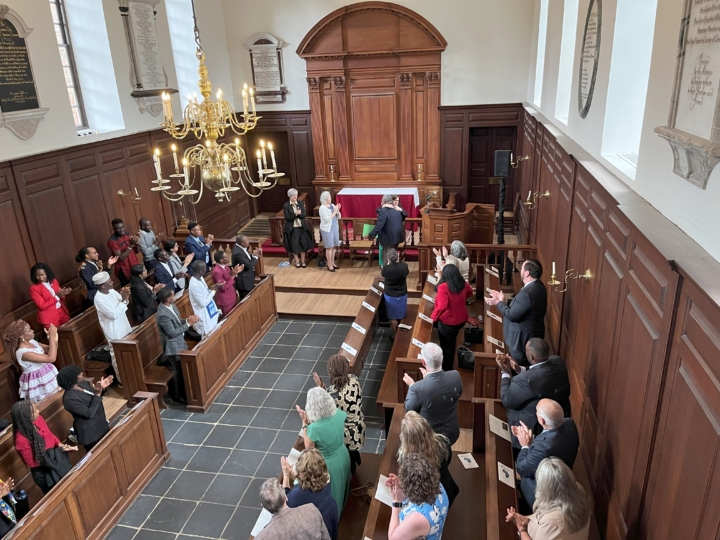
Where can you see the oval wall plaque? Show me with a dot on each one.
(590, 57)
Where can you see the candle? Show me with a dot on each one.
(136, 194)
(529, 194)
(245, 103)
(553, 272)
(272, 156)
(156, 162)
(252, 101)
(264, 157)
(219, 94)
(174, 151)
(259, 165)
(186, 172)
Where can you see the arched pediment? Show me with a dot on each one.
(371, 29)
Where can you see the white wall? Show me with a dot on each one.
(486, 61)
(693, 210)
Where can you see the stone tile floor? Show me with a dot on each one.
(210, 486)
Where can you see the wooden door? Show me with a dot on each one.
(483, 143)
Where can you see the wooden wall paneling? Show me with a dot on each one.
(682, 497)
(410, 100)
(141, 174)
(432, 161)
(340, 127)
(454, 160)
(419, 133)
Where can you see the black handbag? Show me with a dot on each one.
(473, 335)
(466, 359)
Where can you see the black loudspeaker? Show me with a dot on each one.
(502, 163)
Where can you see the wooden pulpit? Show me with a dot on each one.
(474, 225)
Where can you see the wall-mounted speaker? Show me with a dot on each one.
(502, 163)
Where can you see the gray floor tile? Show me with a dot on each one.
(270, 338)
(192, 433)
(251, 364)
(174, 414)
(215, 413)
(161, 482)
(224, 436)
(256, 439)
(314, 340)
(252, 495)
(139, 511)
(170, 515)
(243, 520)
(209, 520)
(180, 455)
(307, 353)
(240, 377)
(121, 533)
(227, 395)
(298, 328)
(284, 352)
(299, 367)
(154, 535)
(293, 422)
(171, 427)
(242, 462)
(261, 350)
(227, 489)
(290, 382)
(252, 397)
(190, 485)
(280, 399)
(269, 467)
(273, 365)
(322, 329)
(238, 415)
(290, 339)
(208, 459)
(262, 380)
(269, 418)
(283, 442)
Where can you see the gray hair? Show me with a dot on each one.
(551, 412)
(292, 192)
(325, 196)
(557, 489)
(319, 405)
(272, 495)
(432, 353)
(391, 255)
(388, 198)
(458, 249)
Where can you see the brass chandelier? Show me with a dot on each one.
(208, 120)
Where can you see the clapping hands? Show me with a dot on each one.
(393, 483)
(495, 298)
(523, 433)
(521, 522)
(318, 381)
(303, 415)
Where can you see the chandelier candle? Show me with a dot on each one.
(260, 169)
(252, 101)
(174, 151)
(156, 162)
(262, 146)
(272, 156)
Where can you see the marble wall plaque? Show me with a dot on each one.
(589, 57)
(267, 68)
(17, 85)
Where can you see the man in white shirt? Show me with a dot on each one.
(241, 255)
(111, 307)
(202, 299)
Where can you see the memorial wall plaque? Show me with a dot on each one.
(590, 57)
(693, 129)
(267, 68)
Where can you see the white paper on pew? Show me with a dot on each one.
(382, 284)
(293, 456)
(432, 279)
(500, 428)
(491, 271)
(179, 294)
(404, 327)
(425, 318)
(262, 521)
(428, 298)
(493, 315)
(383, 493)
(498, 351)
(496, 342)
(348, 348)
(368, 306)
(417, 343)
(373, 289)
(420, 356)
(359, 328)
(506, 475)
(468, 461)
(487, 290)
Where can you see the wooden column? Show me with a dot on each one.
(318, 133)
(432, 161)
(406, 126)
(340, 125)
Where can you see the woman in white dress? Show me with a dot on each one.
(35, 360)
(329, 227)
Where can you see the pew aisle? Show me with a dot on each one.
(210, 486)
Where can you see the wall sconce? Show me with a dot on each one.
(569, 275)
(520, 159)
(531, 201)
(135, 199)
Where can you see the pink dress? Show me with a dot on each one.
(38, 379)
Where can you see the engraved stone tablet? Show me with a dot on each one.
(590, 57)
(267, 68)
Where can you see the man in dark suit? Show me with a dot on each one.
(241, 255)
(172, 330)
(163, 272)
(197, 245)
(524, 315)
(559, 438)
(390, 226)
(436, 396)
(521, 388)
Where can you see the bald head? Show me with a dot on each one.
(242, 240)
(550, 414)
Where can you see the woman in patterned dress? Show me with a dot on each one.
(345, 390)
(34, 360)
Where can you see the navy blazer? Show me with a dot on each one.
(201, 252)
(165, 277)
(389, 228)
(561, 443)
(524, 318)
(436, 399)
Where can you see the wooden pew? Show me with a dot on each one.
(211, 363)
(9, 387)
(88, 502)
(367, 319)
(422, 330)
(493, 321)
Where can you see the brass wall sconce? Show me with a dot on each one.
(569, 275)
(531, 201)
(134, 198)
(515, 164)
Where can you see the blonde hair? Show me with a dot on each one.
(312, 471)
(557, 489)
(417, 437)
(319, 404)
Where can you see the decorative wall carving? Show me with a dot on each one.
(433, 78)
(339, 84)
(313, 84)
(405, 80)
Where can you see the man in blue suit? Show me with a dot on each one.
(163, 272)
(559, 439)
(197, 245)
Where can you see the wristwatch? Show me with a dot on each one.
(397, 504)
(520, 532)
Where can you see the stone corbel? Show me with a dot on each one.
(693, 157)
(23, 123)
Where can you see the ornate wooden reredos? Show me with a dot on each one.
(373, 73)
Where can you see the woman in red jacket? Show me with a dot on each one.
(48, 296)
(450, 311)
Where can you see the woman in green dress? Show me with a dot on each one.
(324, 429)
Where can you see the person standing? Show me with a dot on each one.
(302, 523)
(390, 226)
(199, 246)
(48, 297)
(242, 256)
(90, 264)
(524, 315)
(329, 228)
(34, 360)
(124, 247)
(227, 294)
(149, 243)
(296, 233)
(84, 402)
(458, 256)
(450, 311)
(166, 274)
(395, 291)
(202, 299)
(172, 329)
(111, 310)
(144, 301)
(178, 267)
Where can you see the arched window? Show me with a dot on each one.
(540, 61)
(567, 61)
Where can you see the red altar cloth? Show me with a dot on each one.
(365, 205)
